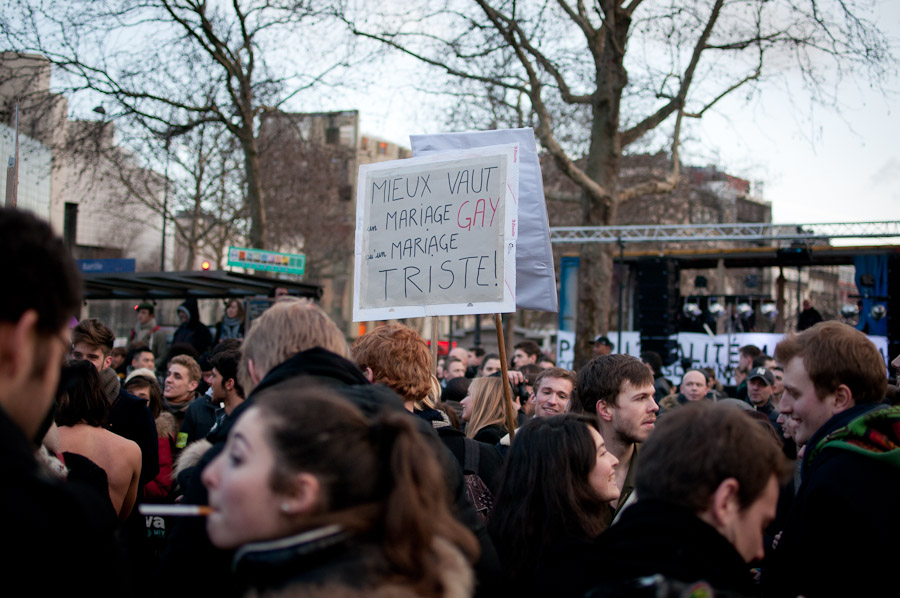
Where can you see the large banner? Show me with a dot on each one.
(719, 352)
(436, 235)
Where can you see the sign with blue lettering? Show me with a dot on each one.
(105, 266)
(436, 235)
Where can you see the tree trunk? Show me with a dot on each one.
(596, 263)
(255, 198)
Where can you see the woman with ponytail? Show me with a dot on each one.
(318, 500)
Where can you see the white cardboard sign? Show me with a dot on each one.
(535, 277)
(436, 235)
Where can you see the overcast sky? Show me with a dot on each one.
(812, 164)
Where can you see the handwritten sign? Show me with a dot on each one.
(437, 235)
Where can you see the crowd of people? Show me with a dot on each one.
(306, 466)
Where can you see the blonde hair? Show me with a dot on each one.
(486, 396)
(190, 364)
(290, 326)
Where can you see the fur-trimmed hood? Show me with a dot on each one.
(338, 576)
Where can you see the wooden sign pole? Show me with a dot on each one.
(434, 343)
(508, 408)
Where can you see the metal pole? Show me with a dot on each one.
(12, 171)
(476, 336)
(621, 290)
(162, 253)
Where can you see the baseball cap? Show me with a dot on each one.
(602, 340)
(763, 373)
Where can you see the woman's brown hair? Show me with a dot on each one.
(377, 477)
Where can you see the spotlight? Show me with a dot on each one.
(849, 311)
(745, 310)
(769, 310)
(692, 310)
(716, 309)
(878, 311)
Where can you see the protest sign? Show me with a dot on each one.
(720, 351)
(436, 235)
(535, 277)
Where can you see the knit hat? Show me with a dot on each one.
(143, 372)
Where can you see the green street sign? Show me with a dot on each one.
(270, 261)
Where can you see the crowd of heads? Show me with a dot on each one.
(303, 451)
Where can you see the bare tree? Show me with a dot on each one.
(308, 181)
(173, 65)
(594, 78)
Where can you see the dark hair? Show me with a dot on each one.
(42, 277)
(456, 389)
(137, 351)
(531, 371)
(487, 357)
(478, 351)
(698, 446)
(82, 400)
(156, 401)
(452, 359)
(95, 333)
(601, 379)
(227, 363)
(379, 477)
(181, 349)
(545, 496)
(834, 354)
(652, 359)
(529, 347)
(751, 351)
(760, 360)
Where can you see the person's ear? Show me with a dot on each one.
(107, 361)
(724, 505)
(302, 496)
(229, 384)
(194, 384)
(604, 410)
(17, 348)
(843, 398)
(369, 374)
(251, 369)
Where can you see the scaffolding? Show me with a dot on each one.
(757, 231)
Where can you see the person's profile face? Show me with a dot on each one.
(86, 352)
(746, 529)
(144, 359)
(491, 366)
(634, 415)
(281, 292)
(144, 316)
(239, 481)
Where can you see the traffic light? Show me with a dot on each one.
(205, 265)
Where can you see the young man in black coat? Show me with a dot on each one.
(707, 488)
(56, 544)
(845, 513)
